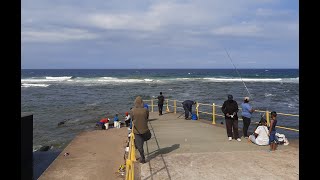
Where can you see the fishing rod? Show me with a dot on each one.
(242, 79)
(180, 115)
(238, 73)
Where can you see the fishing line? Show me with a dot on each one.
(261, 114)
(238, 72)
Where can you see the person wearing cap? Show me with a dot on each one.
(230, 109)
(187, 106)
(160, 103)
(261, 134)
(127, 119)
(272, 131)
(246, 113)
(140, 116)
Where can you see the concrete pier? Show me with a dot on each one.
(178, 149)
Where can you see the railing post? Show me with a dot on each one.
(197, 109)
(167, 105)
(268, 118)
(131, 157)
(175, 106)
(213, 113)
(151, 105)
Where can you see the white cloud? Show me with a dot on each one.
(122, 21)
(63, 35)
(142, 29)
(238, 30)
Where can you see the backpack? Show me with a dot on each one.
(194, 116)
(147, 135)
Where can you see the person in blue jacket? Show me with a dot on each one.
(187, 106)
(246, 114)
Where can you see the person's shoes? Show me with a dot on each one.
(246, 137)
(230, 138)
(239, 139)
(186, 118)
(142, 161)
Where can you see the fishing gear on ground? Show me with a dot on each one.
(122, 169)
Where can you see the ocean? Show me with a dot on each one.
(81, 97)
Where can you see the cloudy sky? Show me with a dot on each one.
(72, 34)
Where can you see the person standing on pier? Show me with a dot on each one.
(272, 131)
(247, 111)
(230, 109)
(160, 103)
(187, 106)
(140, 116)
(116, 122)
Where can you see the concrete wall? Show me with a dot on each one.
(26, 146)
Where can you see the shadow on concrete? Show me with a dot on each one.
(42, 160)
(167, 113)
(152, 119)
(165, 150)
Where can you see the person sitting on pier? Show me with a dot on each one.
(127, 119)
(261, 134)
(230, 109)
(187, 106)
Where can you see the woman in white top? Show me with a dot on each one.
(260, 136)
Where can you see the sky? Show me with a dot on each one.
(159, 34)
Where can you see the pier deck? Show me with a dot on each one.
(178, 149)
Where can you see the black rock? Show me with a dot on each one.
(44, 148)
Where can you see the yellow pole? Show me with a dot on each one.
(151, 105)
(197, 109)
(175, 106)
(167, 105)
(213, 113)
(268, 118)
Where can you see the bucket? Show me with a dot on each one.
(106, 125)
(194, 117)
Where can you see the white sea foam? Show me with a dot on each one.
(268, 94)
(106, 80)
(34, 85)
(60, 78)
(34, 80)
(243, 79)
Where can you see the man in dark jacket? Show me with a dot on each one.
(160, 103)
(187, 106)
(230, 109)
(140, 116)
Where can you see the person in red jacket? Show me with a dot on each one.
(104, 120)
(102, 123)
